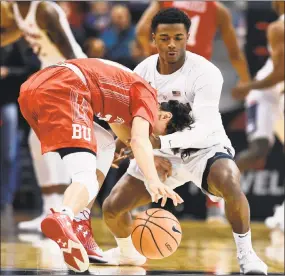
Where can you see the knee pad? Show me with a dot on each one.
(82, 168)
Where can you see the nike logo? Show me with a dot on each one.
(242, 236)
(175, 230)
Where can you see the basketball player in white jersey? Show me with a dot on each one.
(45, 27)
(202, 154)
(265, 105)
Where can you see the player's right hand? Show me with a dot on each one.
(158, 189)
(163, 167)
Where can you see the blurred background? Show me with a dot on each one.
(104, 31)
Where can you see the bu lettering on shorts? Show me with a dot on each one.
(81, 122)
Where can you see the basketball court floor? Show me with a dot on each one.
(205, 249)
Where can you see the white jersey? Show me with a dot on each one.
(46, 50)
(199, 83)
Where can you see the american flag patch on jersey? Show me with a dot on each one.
(176, 93)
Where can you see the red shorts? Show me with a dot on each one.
(57, 105)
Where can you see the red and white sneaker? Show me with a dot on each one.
(83, 230)
(58, 227)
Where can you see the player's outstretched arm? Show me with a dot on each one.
(142, 150)
(143, 28)
(229, 37)
(53, 19)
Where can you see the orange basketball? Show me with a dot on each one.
(156, 233)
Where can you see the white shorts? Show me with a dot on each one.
(263, 107)
(50, 169)
(263, 111)
(190, 169)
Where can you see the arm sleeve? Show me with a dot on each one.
(205, 111)
(144, 103)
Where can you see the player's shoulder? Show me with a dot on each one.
(147, 63)
(49, 10)
(196, 64)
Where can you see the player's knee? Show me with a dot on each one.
(110, 207)
(81, 166)
(259, 148)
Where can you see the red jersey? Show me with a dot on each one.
(203, 15)
(59, 102)
(117, 93)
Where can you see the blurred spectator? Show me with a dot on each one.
(119, 35)
(95, 48)
(76, 12)
(17, 63)
(98, 19)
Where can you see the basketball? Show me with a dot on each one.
(156, 233)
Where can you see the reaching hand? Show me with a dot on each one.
(163, 167)
(158, 189)
(124, 153)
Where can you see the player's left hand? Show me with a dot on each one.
(240, 91)
(124, 153)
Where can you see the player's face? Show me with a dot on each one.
(171, 40)
(160, 124)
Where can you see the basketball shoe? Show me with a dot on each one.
(83, 230)
(58, 227)
(250, 264)
(115, 256)
(277, 220)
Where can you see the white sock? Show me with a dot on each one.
(243, 242)
(67, 211)
(126, 245)
(83, 215)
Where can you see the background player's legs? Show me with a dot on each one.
(257, 151)
(52, 178)
(260, 131)
(224, 181)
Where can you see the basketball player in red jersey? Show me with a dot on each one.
(45, 27)
(59, 103)
(207, 17)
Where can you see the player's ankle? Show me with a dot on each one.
(126, 245)
(67, 211)
(243, 241)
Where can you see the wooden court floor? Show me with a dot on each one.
(205, 249)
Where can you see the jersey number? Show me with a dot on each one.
(195, 21)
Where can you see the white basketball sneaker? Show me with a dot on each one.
(250, 264)
(53, 200)
(114, 256)
(277, 220)
(32, 225)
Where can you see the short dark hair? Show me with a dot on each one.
(181, 118)
(170, 16)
